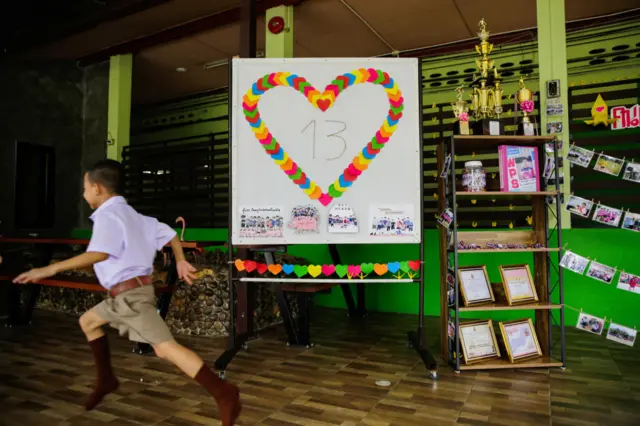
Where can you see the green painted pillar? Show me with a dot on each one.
(119, 115)
(552, 54)
(280, 45)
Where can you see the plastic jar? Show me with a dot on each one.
(474, 177)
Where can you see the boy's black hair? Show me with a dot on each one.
(108, 173)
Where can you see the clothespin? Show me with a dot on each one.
(473, 154)
(565, 246)
(580, 310)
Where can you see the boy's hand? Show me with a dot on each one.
(34, 275)
(185, 271)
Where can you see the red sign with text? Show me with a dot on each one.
(625, 118)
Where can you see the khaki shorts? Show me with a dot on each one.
(134, 312)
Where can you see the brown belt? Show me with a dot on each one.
(129, 285)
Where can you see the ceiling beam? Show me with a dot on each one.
(35, 33)
(206, 23)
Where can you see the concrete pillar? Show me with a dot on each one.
(119, 124)
(552, 54)
(280, 45)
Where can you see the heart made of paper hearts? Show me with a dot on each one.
(315, 270)
(323, 101)
(341, 270)
(328, 270)
(250, 265)
(262, 268)
(380, 268)
(239, 264)
(287, 269)
(367, 268)
(275, 269)
(300, 270)
(414, 264)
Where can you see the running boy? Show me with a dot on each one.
(122, 250)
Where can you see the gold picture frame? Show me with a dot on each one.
(534, 348)
(467, 300)
(466, 341)
(511, 278)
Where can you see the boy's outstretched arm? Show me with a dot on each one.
(83, 260)
(185, 269)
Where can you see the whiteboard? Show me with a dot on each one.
(325, 151)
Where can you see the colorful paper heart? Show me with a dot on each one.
(300, 270)
(262, 268)
(275, 269)
(414, 264)
(250, 265)
(328, 270)
(354, 270)
(404, 266)
(393, 267)
(287, 269)
(367, 268)
(341, 270)
(239, 264)
(315, 270)
(323, 101)
(380, 268)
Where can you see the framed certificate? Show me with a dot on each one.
(478, 341)
(518, 284)
(474, 285)
(520, 339)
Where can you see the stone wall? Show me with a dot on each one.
(200, 309)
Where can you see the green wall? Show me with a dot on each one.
(613, 247)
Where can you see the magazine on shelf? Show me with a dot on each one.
(518, 167)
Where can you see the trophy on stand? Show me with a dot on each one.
(486, 99)
(524, 98)
(461, 111)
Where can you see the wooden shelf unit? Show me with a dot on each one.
(539, 232)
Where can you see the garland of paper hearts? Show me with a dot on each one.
(323, 101)
(341, 271)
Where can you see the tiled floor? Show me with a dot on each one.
(46, 370)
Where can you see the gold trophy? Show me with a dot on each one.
(461, 111)
(524, 97)
(486, 97)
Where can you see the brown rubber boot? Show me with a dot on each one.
(227, 396)
(106, 381)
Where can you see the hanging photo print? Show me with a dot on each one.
(446, 167)
(579, 206)
(621, 334)
(580, 156)
(601, 272)
(631, 221)
(632, 172)
(304, 219)
(629, 282)
(607, 215)
(261, 222)
(446, 218)
(342, 220)
(392, 221)
(574, 262)
(609, 165)
(590, 324)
